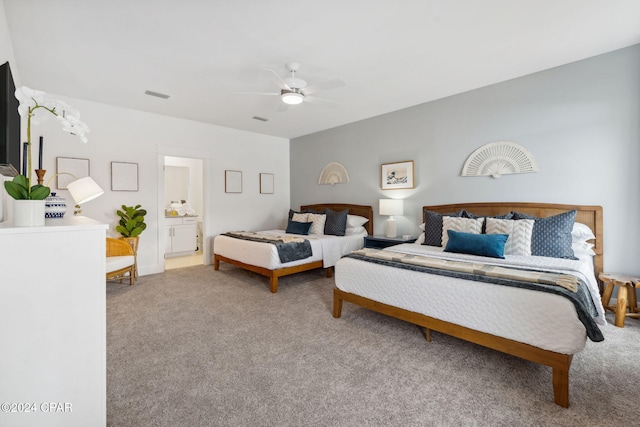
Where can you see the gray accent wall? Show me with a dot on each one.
(580, 122)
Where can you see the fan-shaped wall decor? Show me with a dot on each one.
(333, 173)
(499, 158)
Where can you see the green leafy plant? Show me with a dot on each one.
(19, 189)
(131, 222)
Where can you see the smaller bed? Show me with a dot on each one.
(262, 258)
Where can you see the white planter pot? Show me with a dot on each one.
(28, 213)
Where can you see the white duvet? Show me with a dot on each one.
(540, 319)
(327, 248)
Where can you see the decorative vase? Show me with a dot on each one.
(133, 242)
(55, 206)
(28, 213)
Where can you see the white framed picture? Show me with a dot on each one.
(69, 169)
(232, 181)
(266, 183)
(124, 176)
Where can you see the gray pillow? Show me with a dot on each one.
(433, 226)
(551, 236)
(336, 222)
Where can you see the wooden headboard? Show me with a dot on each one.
(360, 210)
(591, 216)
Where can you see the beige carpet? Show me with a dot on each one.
(196, 347)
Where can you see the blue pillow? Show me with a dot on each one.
(551, 236)
(490, 245)
(433, 226)
(295, 227)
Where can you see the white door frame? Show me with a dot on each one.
(206, 220)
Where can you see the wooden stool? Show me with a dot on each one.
(626, 290)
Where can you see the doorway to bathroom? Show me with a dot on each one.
(183, 212)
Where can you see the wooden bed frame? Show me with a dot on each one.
(560, 363)
(274, 275)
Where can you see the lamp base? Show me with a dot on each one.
(390, 230)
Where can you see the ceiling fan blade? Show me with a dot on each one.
(320, 101)
(329, 84)
(277, 79)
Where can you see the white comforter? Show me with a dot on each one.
(327, 248)
(540, 319)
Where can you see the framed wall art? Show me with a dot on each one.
(69, 169)
(396, 176)
(124, 176)
(266, 183)
(232, 181)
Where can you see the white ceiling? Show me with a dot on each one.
(391, 54)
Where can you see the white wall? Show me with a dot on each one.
(119, 134)
(580, 121)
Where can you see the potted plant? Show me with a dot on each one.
(130, 226)
(29, 199)
(131, 222)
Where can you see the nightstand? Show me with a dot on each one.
(626, 298)
(380, 242)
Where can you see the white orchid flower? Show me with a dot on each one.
(33, 104)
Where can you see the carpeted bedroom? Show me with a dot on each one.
(194, 346)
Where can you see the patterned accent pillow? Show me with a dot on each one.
(318, 222)
(464, 225)
(467, 214)
(433, 226)
(299, 217)
(336, 222)
(551, 235)
(519, 231)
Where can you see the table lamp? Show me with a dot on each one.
(391, 207)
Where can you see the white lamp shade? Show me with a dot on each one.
(84, 190)
(391, 207)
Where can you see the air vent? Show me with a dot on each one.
(156, 94)
(262, 119)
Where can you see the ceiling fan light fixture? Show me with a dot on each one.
(291, 97)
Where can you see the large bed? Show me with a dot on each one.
(537, 326)
(262, 258)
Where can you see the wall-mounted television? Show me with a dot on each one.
(9, 124)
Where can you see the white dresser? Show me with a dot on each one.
(53, 324)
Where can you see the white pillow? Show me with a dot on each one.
(318, 223)
(581, 232)
(356, 221)
(582, 249)
(422, 226)
(300, 217)
(519, 231)
(465, 225)
(355, 231)
(420, 239)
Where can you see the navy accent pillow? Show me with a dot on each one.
(433, 226)
(294, 227)
(489, 245)
(551, 236)
(336, 222)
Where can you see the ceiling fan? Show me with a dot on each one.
(294, 91)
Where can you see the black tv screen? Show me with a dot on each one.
(9, 123)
